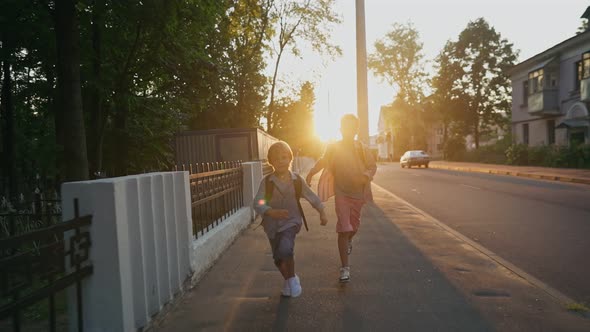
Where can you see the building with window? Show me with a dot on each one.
(551, 94)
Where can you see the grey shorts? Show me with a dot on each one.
(283, 244)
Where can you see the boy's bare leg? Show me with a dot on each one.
(287, 268)
(291, 267)
(343, 239)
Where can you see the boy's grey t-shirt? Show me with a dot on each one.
(283, 197)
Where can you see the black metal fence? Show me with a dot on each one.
(33, 269)
(216, 193)
(26, 214)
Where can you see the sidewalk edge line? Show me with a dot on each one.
(557, 295)
(567, 179)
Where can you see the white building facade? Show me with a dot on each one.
(551, 95)
(384, 139)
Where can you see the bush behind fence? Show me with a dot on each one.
(28, 213)
(576, 156)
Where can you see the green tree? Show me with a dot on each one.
(294, 118)
(399, 61)
(583, 26)
(447, 100)
(246, 29)
(133, 73)
(477, 65)
(153, 71)
(298, 21)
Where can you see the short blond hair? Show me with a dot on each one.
(278, 147)
(349, 118)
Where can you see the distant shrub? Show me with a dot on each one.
(517, 154)
(504, 152)
(489, 154)
(454, 148)
(577, 156)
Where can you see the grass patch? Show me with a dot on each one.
(40, 310)
(577, 308)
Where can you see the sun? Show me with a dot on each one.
(327, 125)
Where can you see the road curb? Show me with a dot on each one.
(559, 178)
(557, 295)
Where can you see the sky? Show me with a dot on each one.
(531, 25)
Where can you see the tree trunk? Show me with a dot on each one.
(96, 110)
(120, 134)
(7, 110)
(70, 95)
(270, 111)
(476, 132)
(445, 137)
(478, 102)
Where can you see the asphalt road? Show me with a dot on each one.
(540, 226)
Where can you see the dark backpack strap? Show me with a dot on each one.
(298, 184)
(360, 150)
(269, 187)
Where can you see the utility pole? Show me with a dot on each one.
(361, 73)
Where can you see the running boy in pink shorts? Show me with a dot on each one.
(352, 167)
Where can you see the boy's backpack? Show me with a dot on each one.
(297, 183)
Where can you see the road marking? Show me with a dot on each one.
(466, 185)
(416, 191)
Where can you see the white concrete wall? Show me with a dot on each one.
(143, 247)
(140, 246)
(206, 249)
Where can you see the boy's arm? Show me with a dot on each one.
(370, 164)
(315, 201)
(319, 165)
(311, 197)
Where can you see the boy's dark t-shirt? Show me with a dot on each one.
(348, 162)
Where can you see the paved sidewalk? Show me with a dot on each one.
(545, 173)
(408, 274)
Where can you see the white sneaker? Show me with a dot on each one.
(345, 274)
(295, 286)
(287, 288)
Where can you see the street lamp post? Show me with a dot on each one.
(361, 72)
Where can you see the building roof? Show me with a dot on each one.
(543, 64)
(551, 52)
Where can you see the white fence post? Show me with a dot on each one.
(140, 246)
(252, 176)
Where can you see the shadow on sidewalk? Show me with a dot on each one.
(393, 286)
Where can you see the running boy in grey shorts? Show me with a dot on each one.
(281, 216)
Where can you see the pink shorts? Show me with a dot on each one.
(348, 211)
